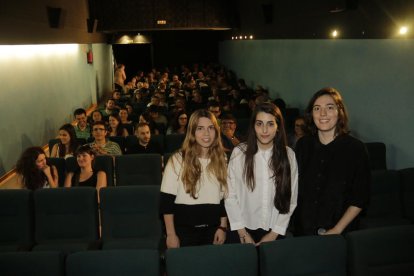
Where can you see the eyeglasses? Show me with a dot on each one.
(329, 108)
(98, 129)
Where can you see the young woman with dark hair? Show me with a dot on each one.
(86, 175)
(67, 144)
(179, 124)
(262, 179)
(33, 172)
(333, 167)
(194, 185)
(115, 127)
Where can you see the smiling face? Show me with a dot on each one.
(113, 122)
(265, 128)
(205, 133)
(84, 159)
(325, 115)
(41, 161)
(96, 116)
(64, 137)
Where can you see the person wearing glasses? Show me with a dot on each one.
(179, 124)
(334, 173)
(101, 145)
(299, 131)
(229, 137)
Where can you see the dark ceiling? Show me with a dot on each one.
(265, 19)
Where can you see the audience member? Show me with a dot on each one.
(333, 168)
(96, 116)
(67, 144)
(229, 137)
(101, 145)
(179, 124)
(115, 127)
(125, 122)
(145, 144)
(86, 175)
(82, 128)
(299, 131)
(33, 171)
(119, 77)
(146, 118)
(262, 179)
(214, 107)
(193, 186)
(109, 109)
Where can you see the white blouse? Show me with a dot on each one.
(255, 209)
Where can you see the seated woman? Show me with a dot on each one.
(67, 144)
(179, 125)
(86, 176)
(96, 116)
(125, 122)
(115, 126)
(33, 172)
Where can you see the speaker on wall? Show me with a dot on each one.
(53, 16)
(268, 13)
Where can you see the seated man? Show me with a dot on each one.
(110, 109)
(101, 145)
(229, 138)
(82, 128)
(145, 145)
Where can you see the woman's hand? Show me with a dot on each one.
(271, 236)
(219, 236)
(173, 241)
(246, 238)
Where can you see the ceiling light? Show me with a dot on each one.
(334, 33)
(403, 30)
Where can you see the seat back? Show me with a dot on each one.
(377, 155)
(113, 262)
(32, 263)
(381, 251)
(226, 259)
(407, 189)
(60, 165)
(311, 255)
(130, 212)
(138, 169)
(173, 142)
(16, 220)
(385, 207)
(66, 214)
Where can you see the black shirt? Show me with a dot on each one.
(150, 148)
(332, 177)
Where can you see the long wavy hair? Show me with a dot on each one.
(191, 151)
(73, 143)
(279, 161)
(32, 177)
(119, 130)
(342, 126)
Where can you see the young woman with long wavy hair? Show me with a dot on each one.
(67, 144)
(194, 185)
(262, 179)
(33, 171)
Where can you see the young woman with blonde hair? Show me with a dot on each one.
(194, 185)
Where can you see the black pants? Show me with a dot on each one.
(196, 235)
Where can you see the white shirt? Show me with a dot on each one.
(255, 209)
(208, 187)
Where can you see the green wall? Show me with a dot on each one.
(41, 86)
(375, 78)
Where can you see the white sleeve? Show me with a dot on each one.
(231, 202)
(280, 222)
(171, 177)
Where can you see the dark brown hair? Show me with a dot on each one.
(279, 161)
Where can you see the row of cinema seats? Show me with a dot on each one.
(122, 170)
(67, 219)
(391, 199)
(379, 252)
(168, 143)
(136, 169)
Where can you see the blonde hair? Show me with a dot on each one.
(191, 151)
